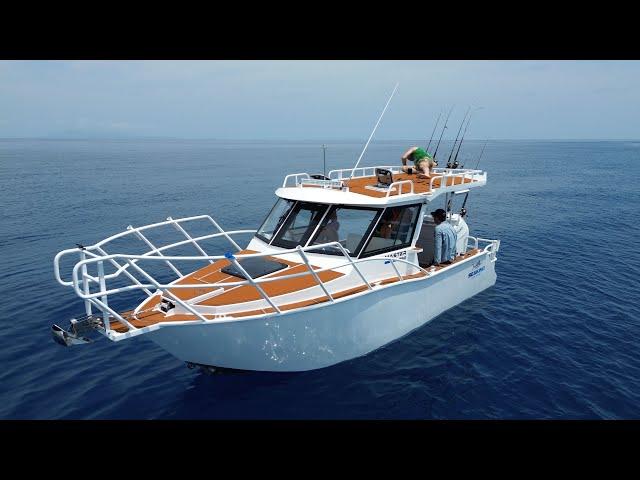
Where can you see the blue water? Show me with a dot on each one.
(556, 337)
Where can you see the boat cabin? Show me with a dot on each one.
(375, 211)
(362, 231)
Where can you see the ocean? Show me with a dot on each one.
(555, 338)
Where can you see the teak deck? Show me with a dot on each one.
(420, 185)
(239, 294)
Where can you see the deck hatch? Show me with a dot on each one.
(256, 267)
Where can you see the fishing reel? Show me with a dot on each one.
(453, 164)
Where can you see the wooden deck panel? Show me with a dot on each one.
(235, 294)
(458, 258)
(149, 318)
(247, 293)
(211, 274)
(420, 185)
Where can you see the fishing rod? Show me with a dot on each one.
(455, 159)
(374, 130)
(456, 140)
(445, 127)
(480, 156)
(463, 211)
(434, 130)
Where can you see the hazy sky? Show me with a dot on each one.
(318, 100)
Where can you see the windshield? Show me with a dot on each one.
(299, 225)
(275, 219)
(349, 226)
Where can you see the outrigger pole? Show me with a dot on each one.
(456, 140)
(445, 127)
(374, 130)
(434, 130)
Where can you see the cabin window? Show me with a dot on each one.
(275, 219)
(394, 230)
(348, 225)
(299, 225)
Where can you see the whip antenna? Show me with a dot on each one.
(324, 160)
(374, 130)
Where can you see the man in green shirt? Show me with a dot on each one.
(422, 160)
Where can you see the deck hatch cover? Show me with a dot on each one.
(256, 267)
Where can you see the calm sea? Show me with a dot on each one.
(556, 337)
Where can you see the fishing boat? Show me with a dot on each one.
(342, 265)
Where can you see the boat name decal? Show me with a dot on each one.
(402, 255)
(476, 269)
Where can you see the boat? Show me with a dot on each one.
(342, 265)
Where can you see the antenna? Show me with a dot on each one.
(324, 160)
(374, 130)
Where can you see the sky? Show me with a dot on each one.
(318, 100)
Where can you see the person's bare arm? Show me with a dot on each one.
(406, 154)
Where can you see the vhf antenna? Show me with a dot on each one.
(324, 161)
(457, 135)
(373, 131)
(445, 127)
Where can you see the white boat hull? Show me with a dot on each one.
(324, 335)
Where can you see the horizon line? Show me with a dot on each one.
(306, 140)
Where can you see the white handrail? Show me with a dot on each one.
(295, 177)
(133, 231)
(399, 183)
(350, 262)
(81, 281)
(250, 281)
(363, 170)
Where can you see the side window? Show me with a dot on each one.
(394, 230)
